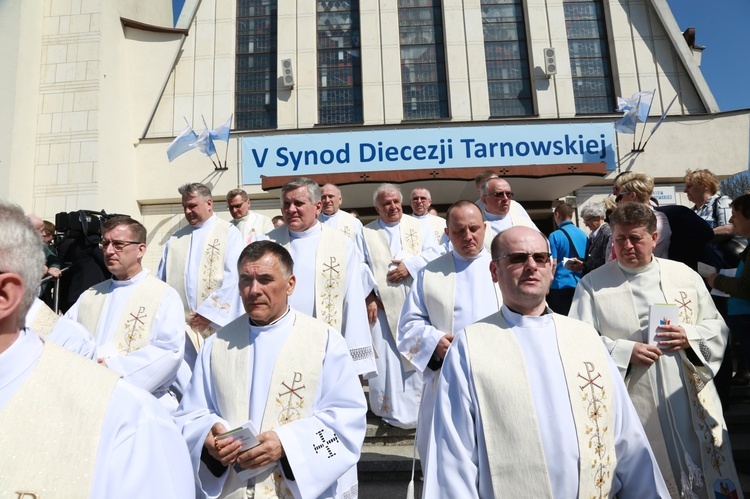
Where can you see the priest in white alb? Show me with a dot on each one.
(501, 211)
(668, 370)
(450, 293)
(529, 404)
(72, 428)
(288, 373)
(60, 330)
(328, 270)
(421, 201)
(249, 223)
(396, 249)
(200, 262)
(137, 320)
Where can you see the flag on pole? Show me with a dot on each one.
(663, 117)
(205, 144)
(636, 108)
(222, 132)
(182, 144)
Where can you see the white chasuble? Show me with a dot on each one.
(675, 397)
(510, 420)
(71, 428)
(343, 221)
(133, 328)
(432, 223)
(252, 225)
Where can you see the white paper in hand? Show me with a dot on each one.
(661, 314)
(247, 434)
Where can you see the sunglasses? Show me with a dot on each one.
(502, 194)
(118, 245)
(541, 257)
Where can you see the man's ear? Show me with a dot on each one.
(11, 294)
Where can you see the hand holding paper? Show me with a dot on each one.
(223, 449)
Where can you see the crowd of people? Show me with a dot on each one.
(529, 365)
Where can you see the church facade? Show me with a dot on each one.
(350, 91)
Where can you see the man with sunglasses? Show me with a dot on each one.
(249, 223)
(137, 320)
(529, 403)
(501, 212)
(70, 427)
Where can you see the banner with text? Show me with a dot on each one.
(426, 148)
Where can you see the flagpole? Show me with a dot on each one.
(663, 117)
(636, 119)
(644, 125)
(226, 151)
(215, 151)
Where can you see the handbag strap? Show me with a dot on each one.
(575, 251)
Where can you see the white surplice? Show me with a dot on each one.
(141, 452)
(354, 326)
(154, 366)
(457, 441)
(67, 333)
(339, 406)
(474, 298)
(395, 392)
(500, 224)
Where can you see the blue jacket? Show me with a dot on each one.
(560, 248)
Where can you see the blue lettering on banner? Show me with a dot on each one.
(456, 147)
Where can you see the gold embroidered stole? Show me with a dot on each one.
(210, 270)
(347, 224)
(516, 218)
(392, 295)
(437, 225)
(51, 427)
(439, 287)
(330, 272)
(44, 320)
(133, 329)
(511, 429)
(291, 394)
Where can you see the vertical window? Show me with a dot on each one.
(255, 86)
(339, 62)
(423, 84)
(589, 56)
(506, 53)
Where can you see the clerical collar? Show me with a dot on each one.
(325, 218)
(140, 276)
(206, 223)
(493, 218)
(315, 229)
(471, 258)
(387, 224)
(420, 217)
(270, 324)
(652, 264)
(514, 319)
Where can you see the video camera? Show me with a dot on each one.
(84, 222)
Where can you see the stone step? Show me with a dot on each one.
(380, 433)
(387, 462)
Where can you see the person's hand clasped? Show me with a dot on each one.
(224, 450)
(267, 452)
(672, 338)
(644, 355)
(442, 347)
(399, 273)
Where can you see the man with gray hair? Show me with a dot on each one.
(421, 201)
(249, 223)
(328, 269)
(600, 239)
(199, 261)
(97, 433)
(500, 210)
(396, 249)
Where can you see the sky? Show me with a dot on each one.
(721, 27)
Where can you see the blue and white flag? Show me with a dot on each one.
(184, 142)
(663, 117)
(205, 143)
(636, 108)
(222, 132)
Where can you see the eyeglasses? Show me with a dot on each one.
(118, 245)
(541, 257)
(618, 198)
(502, 194)
(589, 219)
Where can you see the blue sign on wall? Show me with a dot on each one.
(427, 148)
